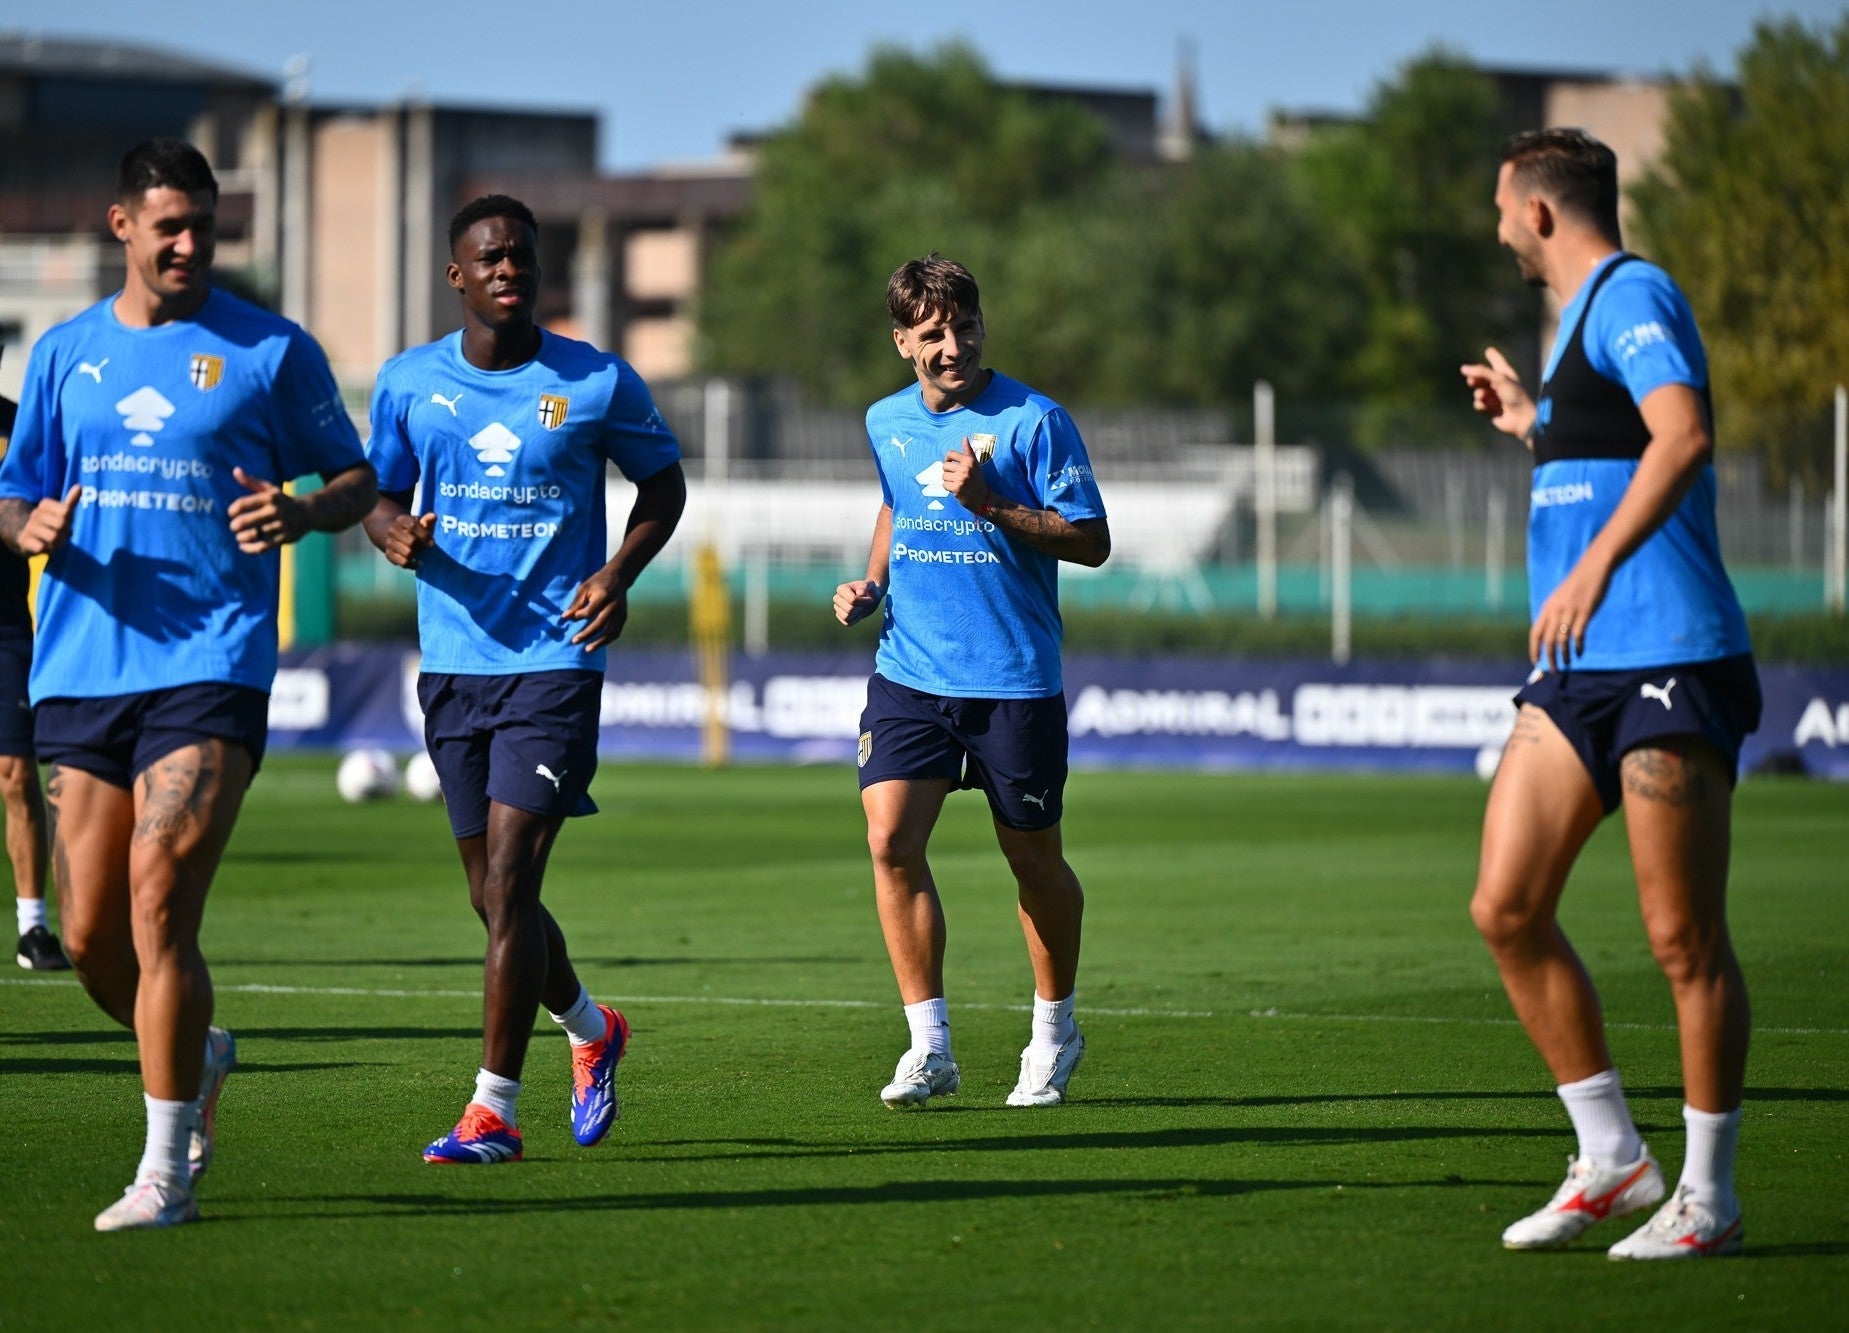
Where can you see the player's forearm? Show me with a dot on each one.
(879, 555)
(660, 501)
(345, 499)
(1086, 542)
(13, 516)
(385, 512)
(1668, 467)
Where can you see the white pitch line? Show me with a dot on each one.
(1512, 1022)
(394, 993)
(769, 1002)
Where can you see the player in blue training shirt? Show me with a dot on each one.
(38, 949)
(1643, 690)
(504, 429)
(986, 488)
(154, 435)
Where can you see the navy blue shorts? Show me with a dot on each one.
(15, 703)
(1607, 714)
(119, 737)
(528, 741)
(1013, 749)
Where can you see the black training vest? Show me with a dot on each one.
(1587, 415)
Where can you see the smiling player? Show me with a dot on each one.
(153, 435)
(987, 488)
(507, 428)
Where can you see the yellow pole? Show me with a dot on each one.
(709, 614)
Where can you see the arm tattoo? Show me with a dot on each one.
(1051, 533)
(1666, 776)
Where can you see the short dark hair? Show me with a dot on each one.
(163, 164)
(1573, 169)
(933, 285)
(489, 206)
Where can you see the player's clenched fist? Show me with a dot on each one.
(855, 601)
(407, 537)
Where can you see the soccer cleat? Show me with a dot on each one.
(221, 1057)
(481, 1138)
(151, 1201)
(39, 951)
(921, 1075)
(1590, 1194)
(1683, 1229)
(594, 1107)
(1044, 1074)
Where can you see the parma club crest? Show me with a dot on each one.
(207, 371)
(552, 410)
(866, 748)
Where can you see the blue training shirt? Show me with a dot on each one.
(1671, 602)
(972, 612)
(151, 590)
(512, 464)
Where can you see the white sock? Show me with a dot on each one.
(170, 1128)
(1607, 1137)
(31, 913)
(584, 1021)
(497, 1094)
(930, 1024)
(1707, 1170)
(1053, 1025)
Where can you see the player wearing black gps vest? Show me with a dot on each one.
(1642, 692)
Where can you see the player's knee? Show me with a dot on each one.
(895, 846)
(1687, 951)
(1503, 922)
(16, 780)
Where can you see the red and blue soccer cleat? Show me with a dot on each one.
(593, 1080)
(482, 1138)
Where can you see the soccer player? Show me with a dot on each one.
(38, 949)
(508, 428)
(1643, 690)
(153, 435)
(987, 487)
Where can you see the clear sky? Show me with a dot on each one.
(672, 79)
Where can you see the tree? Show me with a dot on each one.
(922, 153)
(1749, 208)
(1407, 190)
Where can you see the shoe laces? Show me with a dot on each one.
(478, 1121)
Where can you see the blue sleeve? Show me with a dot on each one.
(636, 438)
(388, 446)
(873, 448)
(1062, 469)
(35, 463)
(311, 428)
(1641, 333)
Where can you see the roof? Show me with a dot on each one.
(83, 57)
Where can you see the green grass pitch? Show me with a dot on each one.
(1305, 1103)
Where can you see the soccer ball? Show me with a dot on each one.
(420, 778)
(366, 775)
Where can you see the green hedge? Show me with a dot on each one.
(1806, 640)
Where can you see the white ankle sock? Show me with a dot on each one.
(583, 1022)
(1053, 1023)
(930, 1024)
(31, 912)
(1707, 1169)
(1601, 1119)
(497, 1094)
(170, 1127)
